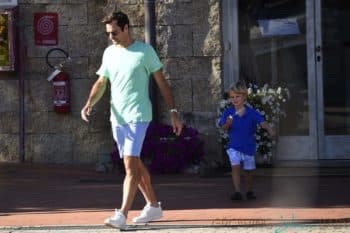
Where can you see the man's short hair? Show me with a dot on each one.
(120, 17)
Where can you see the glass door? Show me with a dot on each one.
(333, 78)
(276, 47)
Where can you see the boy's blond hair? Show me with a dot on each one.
(239, 87)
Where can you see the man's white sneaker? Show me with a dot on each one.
(149, 213)
(118, 220)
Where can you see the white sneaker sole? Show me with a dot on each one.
(115, 225)
(153, 218)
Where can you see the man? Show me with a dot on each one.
(127, 64)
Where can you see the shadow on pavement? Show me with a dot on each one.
(29, 188)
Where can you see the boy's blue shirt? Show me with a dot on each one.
(242, 131)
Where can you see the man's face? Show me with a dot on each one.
(115, 33)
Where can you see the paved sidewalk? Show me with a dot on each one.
(307, 228)
(34, 195)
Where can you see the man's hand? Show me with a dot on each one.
(85, 112)
(176, 124)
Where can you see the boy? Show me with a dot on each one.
(241, 123)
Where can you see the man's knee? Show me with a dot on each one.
(132, 166)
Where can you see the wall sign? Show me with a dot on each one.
(46, 28)
(7, 53)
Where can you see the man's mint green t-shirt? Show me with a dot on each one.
(128, 70)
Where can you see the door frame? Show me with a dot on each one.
(306, 147)
(332, 146)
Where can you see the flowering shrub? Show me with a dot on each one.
(164, 152)
(269, 102)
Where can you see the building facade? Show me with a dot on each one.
(205, 45)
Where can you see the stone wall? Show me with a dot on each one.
(188, 42)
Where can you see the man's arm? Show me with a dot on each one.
(96, 93)
(169, 100)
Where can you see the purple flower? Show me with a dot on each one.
(164, 152)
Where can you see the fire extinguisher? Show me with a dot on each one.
(61, 85)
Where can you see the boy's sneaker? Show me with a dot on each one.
(149, 213)
(250, 195)
(118, 220)
(237, 196)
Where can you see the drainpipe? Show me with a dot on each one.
(22, 54)
(150, 37)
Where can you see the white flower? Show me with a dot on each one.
(279, 90)
(250, 90)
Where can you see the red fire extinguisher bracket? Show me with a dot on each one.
(61, 85)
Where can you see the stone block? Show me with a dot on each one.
(138, 32)
(70, 14)
(37, 122)
(204, 122)
(80, 89)
(9, 145)
(49, 148)
(207, 44)
(80, 46)
(175, 41)
(174, 13)
(206, 94)
(36, 68)
(9, 100)
(69, 123)
(38, 95)
(96, 12)
(26, 13)
(88, 147)
(94, 63)
(9, 122)
(182, 92)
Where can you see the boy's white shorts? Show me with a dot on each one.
(236, 158)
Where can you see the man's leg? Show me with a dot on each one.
(152, 211)
(145, 186)
(131, 181)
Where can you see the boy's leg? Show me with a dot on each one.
(249, 180)
(236, 177)
(249, 167)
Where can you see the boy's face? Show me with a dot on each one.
(237, 99)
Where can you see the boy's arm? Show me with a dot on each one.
(266, 126)
(227, 123)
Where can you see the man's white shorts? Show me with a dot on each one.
(236, 158)
(130, 137)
